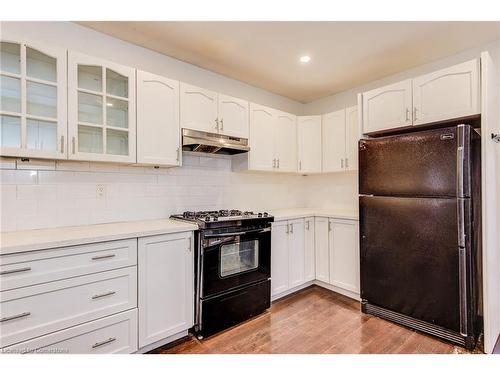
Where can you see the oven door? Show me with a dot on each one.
(231, 260)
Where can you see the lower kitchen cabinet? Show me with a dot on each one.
(292, 255)
(344, 254)
(321, 234)
(166, 286)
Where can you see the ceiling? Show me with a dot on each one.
(266, 54)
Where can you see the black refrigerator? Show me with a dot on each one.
(420, 231)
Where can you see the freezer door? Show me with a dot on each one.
(410, 258)
(424, 163)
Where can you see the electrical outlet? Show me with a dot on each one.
(100, 191)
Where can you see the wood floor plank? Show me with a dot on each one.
(314, 320)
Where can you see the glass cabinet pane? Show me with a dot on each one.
(89, 139)
(116, 84)
(41, 135)
(90, 77)
(10, 57)
(40, 65)
(10, 131)
(116, 142)
(41, 99)
(239, 257)
(89, 108)
(116, 113)
(10, 94)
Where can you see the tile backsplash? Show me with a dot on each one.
(65, 193)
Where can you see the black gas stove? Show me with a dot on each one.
(232, 267)
(223, 218)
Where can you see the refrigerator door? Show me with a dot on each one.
(424, 163)
(410, 258)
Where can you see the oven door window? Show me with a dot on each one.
(239, 257)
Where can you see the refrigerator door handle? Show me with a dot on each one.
(462, 276)
(461, 221)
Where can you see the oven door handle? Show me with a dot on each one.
(237, 233)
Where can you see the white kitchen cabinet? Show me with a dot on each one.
(233, 116)
(309, 246)
(309, 144)
(166, 286)
(285, 141)
(33, 109)
(321, 230)
(101, 110)
(261, 140)
(344, 254)
(198, 108)
(296, 255)
(334, 135)
(279, 257)
(352, 138)
(388, 107)
(448, 93)
(158, 130)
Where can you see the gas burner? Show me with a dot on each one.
(203, 218)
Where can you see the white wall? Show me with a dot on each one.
(75, 37)
(64, 193)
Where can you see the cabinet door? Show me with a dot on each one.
(309, 266)
(285, 138)
(261, 138)
(309, 144)
(321, 230)
(158, 135)
(344, 254)
(101, 110)
(387, 107)
(166, 293)
(233, 116)
(334, 135)
(198, 109)
(279, 257)
(296, 256)
(352, 137)
(448, 93)
(33, 109)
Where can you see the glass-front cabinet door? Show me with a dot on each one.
(32, 100)
(101, 110)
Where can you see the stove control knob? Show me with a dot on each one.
(266, 214)
(207, 218)
(259, 214)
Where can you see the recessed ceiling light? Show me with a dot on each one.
(305, 58)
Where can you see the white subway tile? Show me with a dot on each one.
(7, 163)
(35, 164)
(17, 177)
(63, 165)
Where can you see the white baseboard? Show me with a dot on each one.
(162, 342)
(322, 284)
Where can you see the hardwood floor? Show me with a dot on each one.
(314, 320)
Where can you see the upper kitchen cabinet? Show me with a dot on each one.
(351, 138)
(232, 116)
(309, 144)
(387, 107)
(448, 93)
(285, 140)
(33, 113)
(261, 139)
(198, 109)
(101, 110)
(158, 131)
(334, 135)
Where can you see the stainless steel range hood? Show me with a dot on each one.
(210, 143)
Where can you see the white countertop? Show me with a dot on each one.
(295, 213)
(15, 242)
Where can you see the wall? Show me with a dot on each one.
(63, 193)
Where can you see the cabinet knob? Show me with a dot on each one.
(342, 163)
(73, 145)
(278, 162)
(217, 123)
(414, 113)
(62, 144)
(221, 124)
(407, 114)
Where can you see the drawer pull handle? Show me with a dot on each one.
(99, 257)
(98, 344)
(97, 296)
(22, 315)
(15, 271)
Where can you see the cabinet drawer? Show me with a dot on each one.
(40, 309)
(113, 334)
(36, 267)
